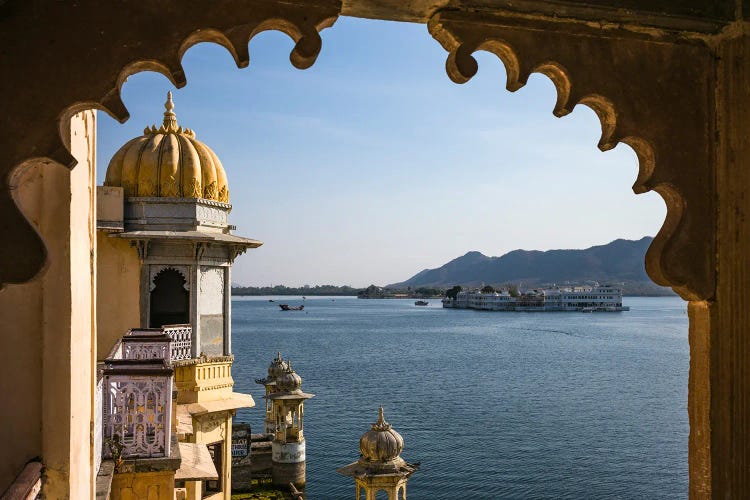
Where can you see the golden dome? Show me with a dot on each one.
(288, 380)
(382, 443)
(277, 367)
(168, 162)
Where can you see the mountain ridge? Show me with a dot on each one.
(620, 261)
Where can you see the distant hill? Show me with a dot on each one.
(621, 261)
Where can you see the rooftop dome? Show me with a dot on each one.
(277, 367)
(381, 443)
(288, 381)
(168, 162)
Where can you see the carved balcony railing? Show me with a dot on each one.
(146, 344)
(182, 341)
(137, 397)
(171, 342)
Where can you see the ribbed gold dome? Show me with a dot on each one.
(168, 162)
(382, 443)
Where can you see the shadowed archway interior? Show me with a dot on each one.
(170, 302)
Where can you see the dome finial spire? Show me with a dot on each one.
(170, 119)
(381, 424)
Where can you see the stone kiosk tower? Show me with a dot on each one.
(380, 466)
(165, 251)
(277, 368)
(288, 446)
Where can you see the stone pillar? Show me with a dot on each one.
(145, 295)
(227, 458)
(719, 383)
(228, 310)
(195, 316)
(288, 463)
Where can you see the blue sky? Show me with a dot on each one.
(372, 165)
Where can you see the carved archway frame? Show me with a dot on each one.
(654, 90)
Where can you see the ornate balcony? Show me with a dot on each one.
(137, 397)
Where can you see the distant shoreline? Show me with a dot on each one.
(300, 292)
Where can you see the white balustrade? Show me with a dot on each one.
(182, 341)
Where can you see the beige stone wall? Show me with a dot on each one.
(210, 428)
(118, 295)
(143, 486)
(21, 369)
(48, 370)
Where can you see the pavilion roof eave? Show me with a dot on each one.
(191, 236)
(291, 395)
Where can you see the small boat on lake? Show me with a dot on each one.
(287, 307)
(421, 303)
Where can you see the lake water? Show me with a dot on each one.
(493, 404)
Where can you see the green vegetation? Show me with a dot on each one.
(426, 292)
(304, 290)
(631, 288)
(372, 292)
(262, 490)
(376, 292)
(264, 494)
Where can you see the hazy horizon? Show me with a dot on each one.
(372, 165)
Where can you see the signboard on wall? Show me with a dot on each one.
(240, 440)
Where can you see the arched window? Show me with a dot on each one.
(382, 495)
(170, 302)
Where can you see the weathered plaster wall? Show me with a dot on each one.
(118, 304)
(21, 341)
(49, 366)
(212, 310)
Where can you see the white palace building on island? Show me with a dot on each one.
(567, 298)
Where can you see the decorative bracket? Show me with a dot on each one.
(199, 249)
(142, 246)
(647, 88)
(235, 251)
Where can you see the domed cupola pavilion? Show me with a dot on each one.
(166, 195)
(288, 446)
(380, 466)
(277, 367)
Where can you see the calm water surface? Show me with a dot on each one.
(493, 405)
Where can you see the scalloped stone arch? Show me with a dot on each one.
(654, 80)
(155, 270)
(524, 52)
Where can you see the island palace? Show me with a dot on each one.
(569, 298)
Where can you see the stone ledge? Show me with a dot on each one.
(104, 479)
(161, 464)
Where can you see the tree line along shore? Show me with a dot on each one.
(636, 289)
